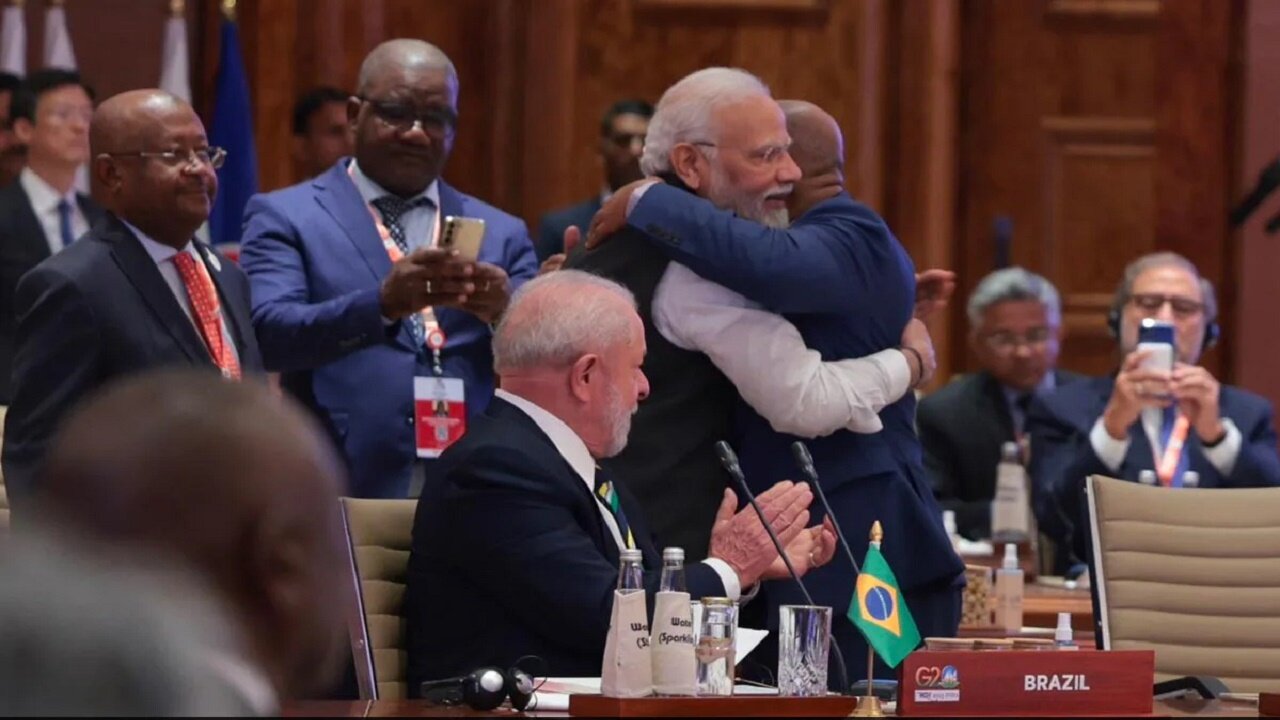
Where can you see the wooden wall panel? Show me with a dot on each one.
(1099, 128)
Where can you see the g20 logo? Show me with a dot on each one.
(932, 676)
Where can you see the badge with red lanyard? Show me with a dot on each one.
(439, 402)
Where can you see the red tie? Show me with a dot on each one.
(204, 305)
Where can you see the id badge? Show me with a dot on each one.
(439, 414)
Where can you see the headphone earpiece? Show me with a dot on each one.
(482, 689)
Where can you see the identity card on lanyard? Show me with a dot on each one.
(439, 402)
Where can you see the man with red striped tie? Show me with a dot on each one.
(138, 291)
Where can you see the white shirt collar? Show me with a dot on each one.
(370, 190)
(159, 252)
(44, 198)
(567, 442)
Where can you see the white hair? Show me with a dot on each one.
(1013, 284)
(684, 114)
(557, 318)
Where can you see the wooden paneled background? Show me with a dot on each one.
(1101, 128)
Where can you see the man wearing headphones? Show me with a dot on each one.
(1120, 425)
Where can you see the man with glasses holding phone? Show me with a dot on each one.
(135, 293)
(356, 302)
(1146, 417)
(42, 212)
(1015, 328)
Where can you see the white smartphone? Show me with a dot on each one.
(1157, 338)
(463, 234)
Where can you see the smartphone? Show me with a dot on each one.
(1156, 337)
(463, 234)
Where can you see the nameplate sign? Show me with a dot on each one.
(1026, 683)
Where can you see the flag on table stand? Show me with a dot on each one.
(13, 40)
(878, 609)
(232, 130)
(57, 41)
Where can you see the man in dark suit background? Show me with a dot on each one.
(137, 292)
(518, 533)
(622, 131)
(1118, 425)
(12, 154)
(42, 213)
(1015, 330)
(339, 311)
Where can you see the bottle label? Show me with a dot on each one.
(672, 645)
(626, 670)
(1010, 508)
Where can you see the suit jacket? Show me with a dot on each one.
(510, 557)
(315, 263)
(552, 226)
(1062, 457)
(962, 427)
(23, 245)
(845, 281)
(97, 311)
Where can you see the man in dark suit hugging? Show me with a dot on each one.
(518, 532)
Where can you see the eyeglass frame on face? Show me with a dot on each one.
(1007, 343)
(1184, 308)
(216, 156)
(767, 155)
(447, 119)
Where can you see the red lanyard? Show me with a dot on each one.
(1167, 464)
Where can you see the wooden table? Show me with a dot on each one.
(1041, 605)
(418, 708)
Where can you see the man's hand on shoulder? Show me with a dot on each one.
(612, 216)
(933, 291)
(571, 237)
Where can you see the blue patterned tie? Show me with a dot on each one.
(64, 222)
(392, 209)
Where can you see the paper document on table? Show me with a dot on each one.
(553, 695)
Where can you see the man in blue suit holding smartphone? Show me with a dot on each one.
(353, 299)
(1146, 417)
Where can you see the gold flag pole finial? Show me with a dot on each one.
(869, 704)
(177, 7)
(229, 9)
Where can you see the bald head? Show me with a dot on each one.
(816, 142)
(396, 57)
(122, 121)
(237, 483)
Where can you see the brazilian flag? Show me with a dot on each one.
(879, 612)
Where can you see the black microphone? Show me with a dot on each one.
(805, 462)
(729, 459)
(1268, 180)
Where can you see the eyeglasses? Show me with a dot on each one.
(436, 122)
(1151, 303)
(1006, 342)
(767, 155)
(211, 156)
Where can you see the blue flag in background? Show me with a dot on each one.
(232, 130)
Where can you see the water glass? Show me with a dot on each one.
(714, 651)
(804, 641)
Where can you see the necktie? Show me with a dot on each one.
(608, 495)
(64, 222)
(1167, 418)
(392, 208)
(204, 306)
(1022, 403)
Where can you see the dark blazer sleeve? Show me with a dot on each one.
(807, 268)
(57, 361)
(1061, 460)
(942, 461)
(294, 333)
(1257, 465)
(514, 534)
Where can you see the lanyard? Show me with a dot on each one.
(1167, 464)
(434, 336)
